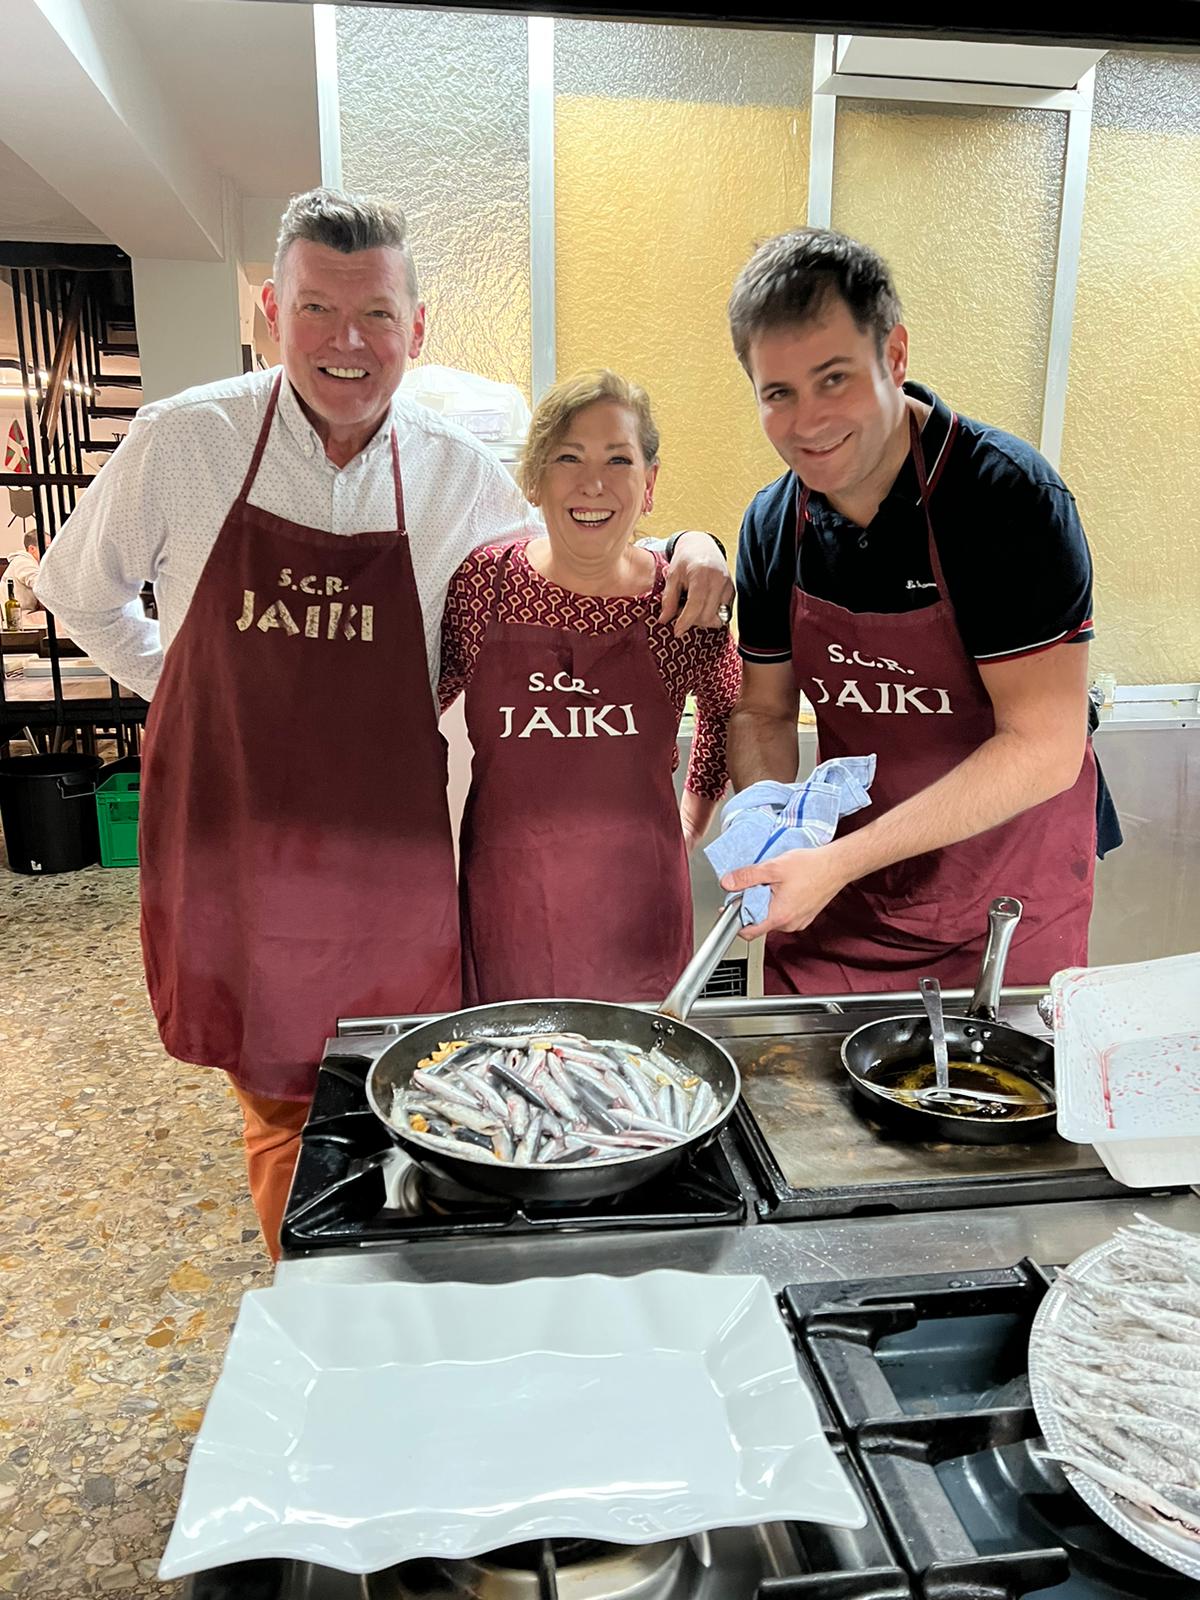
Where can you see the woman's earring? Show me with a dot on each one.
(648, 503)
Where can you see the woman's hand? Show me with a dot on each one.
(695, 814)
(699, 567)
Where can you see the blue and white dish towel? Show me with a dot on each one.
(767, 819)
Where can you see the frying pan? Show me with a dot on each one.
(876, 1052)
(595, 1019)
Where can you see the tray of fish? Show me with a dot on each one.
(1114, 1374)
(560, 1099)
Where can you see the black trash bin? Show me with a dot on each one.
(48, 808)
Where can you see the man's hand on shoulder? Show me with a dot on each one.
(699, 590)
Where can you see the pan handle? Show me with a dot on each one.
(703, 964)
(1003, 916)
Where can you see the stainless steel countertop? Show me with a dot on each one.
(823, 1138)
(1152, 707)
(796, 1252)
(784, 1253)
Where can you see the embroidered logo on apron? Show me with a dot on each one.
(566, 722)
(318, 621)
(885, 698)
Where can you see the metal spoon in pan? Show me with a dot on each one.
(931, 995)
(940, 1093)
(974, 1097)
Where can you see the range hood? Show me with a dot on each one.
(961, 61)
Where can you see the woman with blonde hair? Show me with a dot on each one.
(573, 862)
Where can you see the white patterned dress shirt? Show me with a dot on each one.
(155, 510)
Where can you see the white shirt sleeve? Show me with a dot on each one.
(91, 577)
(501, 512)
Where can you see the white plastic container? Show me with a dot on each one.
(1127, 1067)
(496, 413)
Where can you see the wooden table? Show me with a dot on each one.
(20, 690)
(28, 708)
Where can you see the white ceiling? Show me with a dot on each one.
(240, 82)
(31, 209)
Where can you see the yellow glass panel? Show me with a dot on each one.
(434, 116)
(658, 205)
(1131, 450)
(963, 203)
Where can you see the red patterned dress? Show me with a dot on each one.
(704, 663)
(574, 879)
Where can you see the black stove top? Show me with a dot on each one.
(923, 1394)
(353, 1187)
(925, 1378)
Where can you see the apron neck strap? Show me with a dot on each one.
(924, 485)
(927, 485)
(401, 525)
(260, 444)
(801, 513)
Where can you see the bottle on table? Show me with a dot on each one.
(12, 608)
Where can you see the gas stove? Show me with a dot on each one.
(921, 1386)
(774, 1561)
(909, 1318)
(798, 1147)
(926, 1377)
(353, 1187)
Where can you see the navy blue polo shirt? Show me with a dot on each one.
(1013, 551)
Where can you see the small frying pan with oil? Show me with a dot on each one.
(889, 1059)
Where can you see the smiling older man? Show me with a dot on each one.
(300, 527)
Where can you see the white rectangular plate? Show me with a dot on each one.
(357, 1426)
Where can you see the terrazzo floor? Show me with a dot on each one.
(126, 1241)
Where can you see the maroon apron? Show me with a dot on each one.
(573, 868)
(903, 686)
(297, 861)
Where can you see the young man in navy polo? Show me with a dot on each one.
(925, 581)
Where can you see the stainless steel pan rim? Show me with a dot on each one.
(972, 1028)
(967, 1024)
(896, 1041)
(665, 1027)
(594, 1019)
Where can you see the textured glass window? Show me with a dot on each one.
(434, 115)
(1131, 446)
(675, 149)
(963, 202)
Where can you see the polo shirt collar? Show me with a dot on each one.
(905, 490)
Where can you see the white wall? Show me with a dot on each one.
(188, 323)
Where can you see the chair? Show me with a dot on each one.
(20, 503)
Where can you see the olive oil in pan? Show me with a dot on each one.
(967, 1077)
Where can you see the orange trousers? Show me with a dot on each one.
(271, 1129)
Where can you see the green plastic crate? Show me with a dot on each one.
(117, 813)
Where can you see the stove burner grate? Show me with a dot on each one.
(577, 1569)
(348, 1190)
(927, 1381)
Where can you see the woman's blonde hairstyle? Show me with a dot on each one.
(563, 402)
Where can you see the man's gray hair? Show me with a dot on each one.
(345, 222)
(30, 539)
